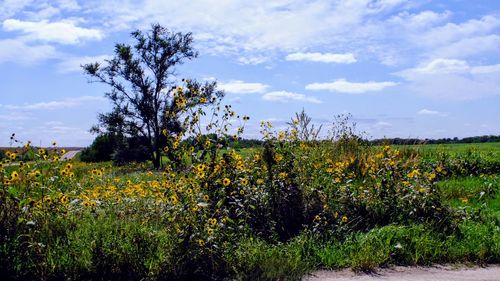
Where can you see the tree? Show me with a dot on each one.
(146, 102)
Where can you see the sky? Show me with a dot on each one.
(409, 69)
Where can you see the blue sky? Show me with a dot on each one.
(425, 69)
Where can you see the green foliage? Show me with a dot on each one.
(273, 213)
(101, 149)
(145, 105)
(254, 259)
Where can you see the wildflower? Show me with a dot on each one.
(69, 166)
(14, 176)
(200, 174)
(244, 181)
(203, 100)
(63, 151)
(206, 198)
(64, 199)
(256, 157)
(242, 192)
(281, 136)
(210, 231)
(283, 175)
(344, 219)
(278, 157)
(41, 151)
(173, 199)
(464, 200)
(439, 169)
(260, 181)
(317, 218)
(200, 167)
(37, 173)
(240, 165)
(201, 243)
(212, 221)
(12, 156)
(414, 173)
(189, 191)
(226, 181)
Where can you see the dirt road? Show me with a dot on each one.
(437, 273)
(69, 155)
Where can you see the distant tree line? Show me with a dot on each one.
(401, 141)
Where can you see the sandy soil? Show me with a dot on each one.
(437, 273)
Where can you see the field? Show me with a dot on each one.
(270, 213)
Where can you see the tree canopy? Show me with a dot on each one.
(148, 99)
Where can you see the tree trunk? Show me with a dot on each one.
(157, 159)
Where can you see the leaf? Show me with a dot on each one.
(12, 191)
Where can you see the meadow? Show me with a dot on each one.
(275, 212)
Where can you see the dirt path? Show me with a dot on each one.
(437, 273)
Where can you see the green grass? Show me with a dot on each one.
(488, 150)
(135, 241)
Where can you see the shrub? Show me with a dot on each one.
(101, 149)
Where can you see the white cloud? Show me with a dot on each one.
(443, 66)
(253, 60)
(453, 79)
(14, 116)
(468, 47)
(11, 7)
(448, 66)
(283, 96)
(51, 105)
(431, 112)
(344, 86)
(240, 87)
(322, 57)
(382, 124)
(63, 32)
(242, 28)
(73, 64)
(452, 32)
(423, 19)
(70, 5)
(484, 69)
(12, 50)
